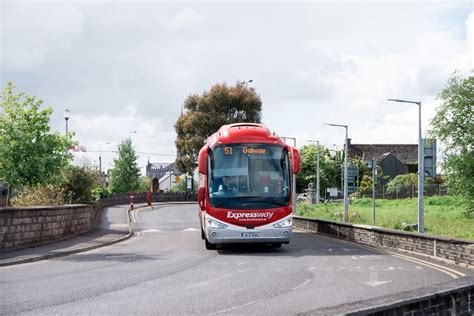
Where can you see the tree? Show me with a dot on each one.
(453, 125)
(79, 183)
(30, 154)
(329, 168)
(125, 176)
(205, 114)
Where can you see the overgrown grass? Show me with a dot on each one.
(443, 214)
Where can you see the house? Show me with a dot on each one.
(163, 176)
(393, 159)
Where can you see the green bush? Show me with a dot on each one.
(181, 187)
(79, 182)
(40, 195)
(98, 193)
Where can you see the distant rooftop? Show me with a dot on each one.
(406, 153)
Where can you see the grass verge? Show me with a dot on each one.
(444, 215)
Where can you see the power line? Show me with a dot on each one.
(138, 152)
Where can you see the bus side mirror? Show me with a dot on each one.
(201, 197)
(202, 160)
(295, 160)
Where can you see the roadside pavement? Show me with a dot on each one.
(114, 227)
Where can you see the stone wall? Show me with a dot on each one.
(451, 250)
(26, 226)
(29, 226)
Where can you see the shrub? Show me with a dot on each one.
(79, 182)
(98, 193)
(40, 195)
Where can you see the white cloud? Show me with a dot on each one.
(185, 19)
(129, 66)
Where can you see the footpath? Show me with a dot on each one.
(113, 227)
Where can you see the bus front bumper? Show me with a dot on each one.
(244, 235)
(248, 236)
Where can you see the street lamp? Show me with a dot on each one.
(67, 113)
(130, 134)
(421, 215)
(346, 201)
(100, 157)
(294, 175)
(317, 170)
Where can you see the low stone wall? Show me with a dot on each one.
(26, 226)
(141, 197)
(456, 251)
(35, 225)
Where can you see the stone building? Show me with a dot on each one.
(163, 176)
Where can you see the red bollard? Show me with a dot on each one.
(148, 198)
(132, 196)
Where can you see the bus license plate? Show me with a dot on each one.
(250, 234)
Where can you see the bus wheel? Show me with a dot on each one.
(276, 244)
(209, 246)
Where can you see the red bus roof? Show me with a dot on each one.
(244, 133)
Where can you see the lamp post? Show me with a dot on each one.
(294, 176)
(346, 200)
(67, 113)
(317, 170)
(373, 165)
(100, 157)
(130, 134)
(421, 172)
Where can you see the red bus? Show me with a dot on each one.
(245, 188)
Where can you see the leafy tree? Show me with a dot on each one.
(125, 176)
(206, 113)
(401, 181)
(453, 125)
(329, 168)
(182, 185)
(79, 182)
(30, 154)
(144, 184)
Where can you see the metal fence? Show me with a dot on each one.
(406, 191)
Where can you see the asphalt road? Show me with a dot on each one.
(166, 269)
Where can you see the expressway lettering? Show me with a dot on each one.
(250, 216)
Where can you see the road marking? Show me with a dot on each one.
(190, 229)
(245, 270)
(451, 272)
(152, 230)
(237, 307)
(373, 280)
(301, 285)
(241, 263)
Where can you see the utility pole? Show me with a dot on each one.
(318, 190)
(421, 168)
(346, 193)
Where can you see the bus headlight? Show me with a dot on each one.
(215, 224)
(284, 223)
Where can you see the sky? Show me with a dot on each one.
(126, 66)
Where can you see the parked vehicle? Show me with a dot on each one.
(301, 197)
(245, 186)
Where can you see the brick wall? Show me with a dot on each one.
(451, 250)
(25, 226)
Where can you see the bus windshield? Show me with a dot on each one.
(249, 176)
